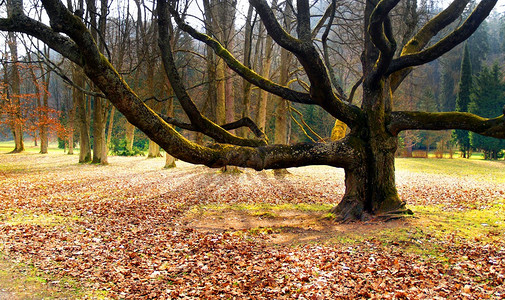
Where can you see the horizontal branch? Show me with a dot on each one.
(406, 120)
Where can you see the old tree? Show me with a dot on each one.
(367, 151)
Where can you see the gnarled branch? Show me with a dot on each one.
(381, 35)
(407, 120)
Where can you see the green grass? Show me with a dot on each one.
(433, 229)
(479, 169)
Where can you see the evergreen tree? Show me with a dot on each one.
(463, 100)
(487, 101)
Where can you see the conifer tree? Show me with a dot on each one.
(463, 100)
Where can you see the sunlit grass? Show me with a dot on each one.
(481, 170)
(8, 146)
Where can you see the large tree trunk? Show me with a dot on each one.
(99, 138)
(370, 187)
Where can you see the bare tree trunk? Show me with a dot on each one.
(17, 128)
(71, 126)
(169, 159)
(246, 91)
(44, 140)
(221, 92)
(261, 116)
(80, 104)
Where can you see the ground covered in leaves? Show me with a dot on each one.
(134, 230)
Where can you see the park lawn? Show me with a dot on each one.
(132, 229)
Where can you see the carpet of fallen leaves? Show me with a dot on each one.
(121, 229)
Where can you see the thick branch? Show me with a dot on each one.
(321, 89)
(449, 42)
(57, 42)
(303, 27)
(241, 69)
(425, 34)
(381, 35)
(404, 120)
(101, 72)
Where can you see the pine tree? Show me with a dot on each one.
(463, 100)
(487, 101)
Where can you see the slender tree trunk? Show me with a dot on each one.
(129, 135)
(261, 116)
(246, 91)
(80, 104)
(221, 92)
(109, 129)
(44, 140)
(17, 129)
(71, 125)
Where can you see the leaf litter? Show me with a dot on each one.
(127, 229)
